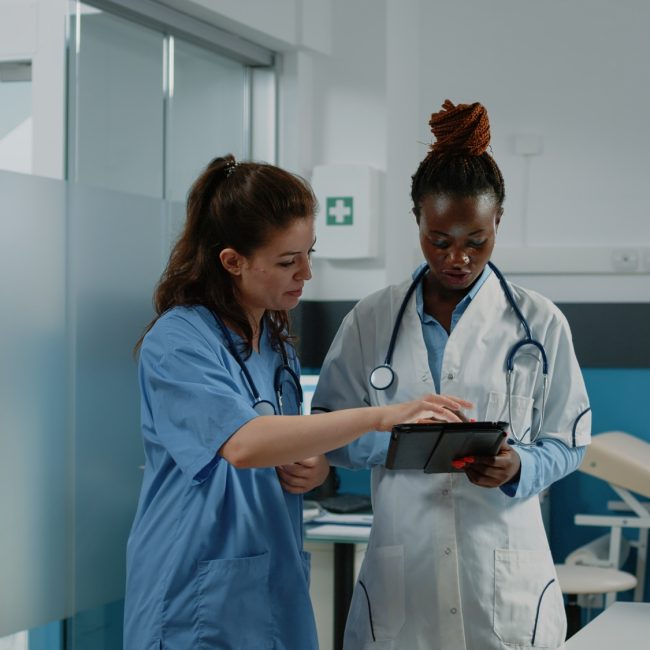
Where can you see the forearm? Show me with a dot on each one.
(276, 440)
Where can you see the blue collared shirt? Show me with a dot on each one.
(540, 465)
(435, 335)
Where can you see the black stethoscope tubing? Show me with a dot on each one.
(260, 405)
(385, 369)
(383, 376)
(528, 339)
(510, 365)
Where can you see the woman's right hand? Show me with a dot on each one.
(439, 408)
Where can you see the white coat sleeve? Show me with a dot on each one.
(566, 427)
(343, 383)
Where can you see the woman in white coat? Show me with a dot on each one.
(461, 560)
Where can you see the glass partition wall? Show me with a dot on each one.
(79, 265)
(147, 109)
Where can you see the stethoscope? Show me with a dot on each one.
(264, 406)
(383, 376)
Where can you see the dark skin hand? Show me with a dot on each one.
(491, 471)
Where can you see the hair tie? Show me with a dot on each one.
(231, 165)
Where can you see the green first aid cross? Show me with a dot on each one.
(339, 211)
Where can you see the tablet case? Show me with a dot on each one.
(432, 447)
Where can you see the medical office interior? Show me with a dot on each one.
(109, 109)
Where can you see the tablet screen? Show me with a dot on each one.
(432, 447)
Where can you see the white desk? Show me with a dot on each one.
(623, 625)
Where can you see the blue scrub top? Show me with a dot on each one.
(214, 558)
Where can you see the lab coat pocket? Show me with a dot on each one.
(233, 603)
(377, 607)
(528, 603)
(519, 416)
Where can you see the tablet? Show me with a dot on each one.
(432, 447)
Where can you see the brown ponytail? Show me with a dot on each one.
(230, 205)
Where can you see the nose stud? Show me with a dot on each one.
(465, 259)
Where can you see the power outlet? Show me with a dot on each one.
(625, 260)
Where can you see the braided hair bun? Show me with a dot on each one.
(462, 130)
(458, 162)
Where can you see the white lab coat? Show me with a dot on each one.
(449, 565)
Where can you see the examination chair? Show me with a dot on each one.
(622, 461)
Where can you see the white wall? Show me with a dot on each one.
(360, 79)
(16, 148)
(35, 30)
(349, 125)
(572, 74)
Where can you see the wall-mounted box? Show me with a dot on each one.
(348, 221)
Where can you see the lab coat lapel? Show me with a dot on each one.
(416, 372)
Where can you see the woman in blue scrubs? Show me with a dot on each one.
(215, 557)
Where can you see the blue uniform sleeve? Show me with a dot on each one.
(191, 405)
(543, 465)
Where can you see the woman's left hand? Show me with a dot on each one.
(305, 475)
(491, 471)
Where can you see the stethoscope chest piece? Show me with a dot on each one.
(382, 377)
(264, 407)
